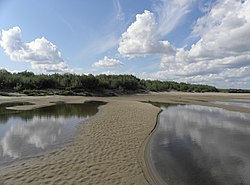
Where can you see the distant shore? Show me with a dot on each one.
(109, 148)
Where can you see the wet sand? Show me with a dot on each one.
(109, 148)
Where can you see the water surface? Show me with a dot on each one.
(27, 133)
(198, 145)
(242, 100)
(237, 104)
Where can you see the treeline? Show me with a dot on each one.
(73, 84)
(238, 91)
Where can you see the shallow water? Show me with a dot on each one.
(25, 134)
(194, 145)
(242, 100)
(245, 104)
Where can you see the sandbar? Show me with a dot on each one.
(108, 148)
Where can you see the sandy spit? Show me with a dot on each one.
(105, 151)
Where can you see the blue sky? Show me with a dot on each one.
(194, 41)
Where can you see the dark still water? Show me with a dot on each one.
(27, 133)
(198, 145)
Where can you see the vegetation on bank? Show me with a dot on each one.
(102, 85)
(235, 90)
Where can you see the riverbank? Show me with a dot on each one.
(110, 147)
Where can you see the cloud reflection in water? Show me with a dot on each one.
(40, 132)
(202, 145)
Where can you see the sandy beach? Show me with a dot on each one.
(109, 148)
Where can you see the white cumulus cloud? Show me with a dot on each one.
(108, 62)
(40, 53)
(142, 38)
(221, 56)
(224, 31)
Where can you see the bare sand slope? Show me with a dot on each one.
(105, 151)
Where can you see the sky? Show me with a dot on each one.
(193, 41)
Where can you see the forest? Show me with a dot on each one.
(88, 85)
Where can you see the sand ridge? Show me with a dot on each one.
(104, 152)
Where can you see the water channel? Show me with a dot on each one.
(194, 145)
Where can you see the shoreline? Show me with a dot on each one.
(150, 173)
(110, 147)
(144, 158)
(148, 169)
